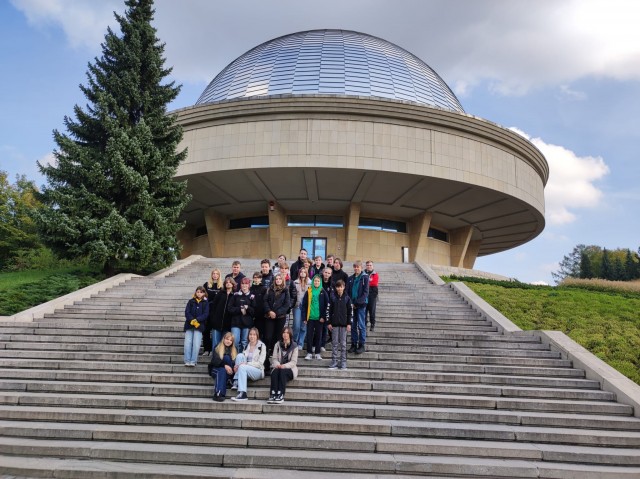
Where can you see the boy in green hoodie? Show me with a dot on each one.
(315, 304)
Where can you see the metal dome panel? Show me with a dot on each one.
(331, 62)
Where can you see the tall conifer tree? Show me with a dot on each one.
(111, 195)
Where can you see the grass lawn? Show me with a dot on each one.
(606, 323)
(25, 289)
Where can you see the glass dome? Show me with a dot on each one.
(335, 62)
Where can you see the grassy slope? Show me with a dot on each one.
(24, 289)
(607, 324)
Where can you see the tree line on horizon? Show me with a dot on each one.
(591, 261)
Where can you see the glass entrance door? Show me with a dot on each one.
(315, 247)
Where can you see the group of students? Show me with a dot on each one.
(229, 316)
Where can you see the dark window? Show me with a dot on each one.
(251, 222)
(201, 231)
(382, 225)
(438, 234)
(326, 221)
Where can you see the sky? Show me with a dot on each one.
(563, 73)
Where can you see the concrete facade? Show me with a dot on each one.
(357, 157)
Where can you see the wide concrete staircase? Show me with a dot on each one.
(98, 390)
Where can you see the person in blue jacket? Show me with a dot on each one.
(358, 291)
(196, 314)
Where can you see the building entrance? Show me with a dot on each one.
(315, 247)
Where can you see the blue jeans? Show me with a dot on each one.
(216, 337)
(192, 342)
(246, 372)
(240, 337)
(299, 327)
(359, 329)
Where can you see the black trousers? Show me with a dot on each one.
(371, 310)
(314, 336)
(272, 330)
(279, 380)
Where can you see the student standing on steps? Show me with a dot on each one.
(314, 306)
(299, 325)
(236, 275)
(241, 308)
(340, 318)
(358, 291)
(338, 272)
(266, 273)
(258, 290)
(276, 305)
(249, 365)
(327, 285)
(373, 294)
(196, 314)
(283, 366)
(212, 287)
(221, 366)
(220, 317)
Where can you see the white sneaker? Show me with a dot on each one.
(322, 349)
(309, 357)
(318, 356)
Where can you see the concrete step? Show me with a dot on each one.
(333, 442)
(178, 402)
(272, 420)
(187, 377)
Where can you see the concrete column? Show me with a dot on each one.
(351, 227)
(418, 229)
(216, 230)
(459, 240)
(277, 223)
(472, 254)
(185, 238)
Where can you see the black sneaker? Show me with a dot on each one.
(352, 349)
(272, 398)
(360, 350)
(279, 399)
(372, 328)
(240, 397)
(219, 398)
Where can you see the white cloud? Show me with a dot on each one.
(512, 45)
(48, 159)
(571, 181)
(84, 23)
(570, 94)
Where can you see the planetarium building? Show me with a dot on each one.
(344, 143)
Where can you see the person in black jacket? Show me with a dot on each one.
(276, 306)
(236, 275)
(195, 314)
(314, 307)
(338, 272)
(242, 307)
(340, 319)
(212, 287)
(258, 290)
(266, 273)
(300, 263)
(220, 318)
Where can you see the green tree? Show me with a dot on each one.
(586, 271)
(111, 197)
(630, 266)
(606, 270)
(570, 264)
(18, 204)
